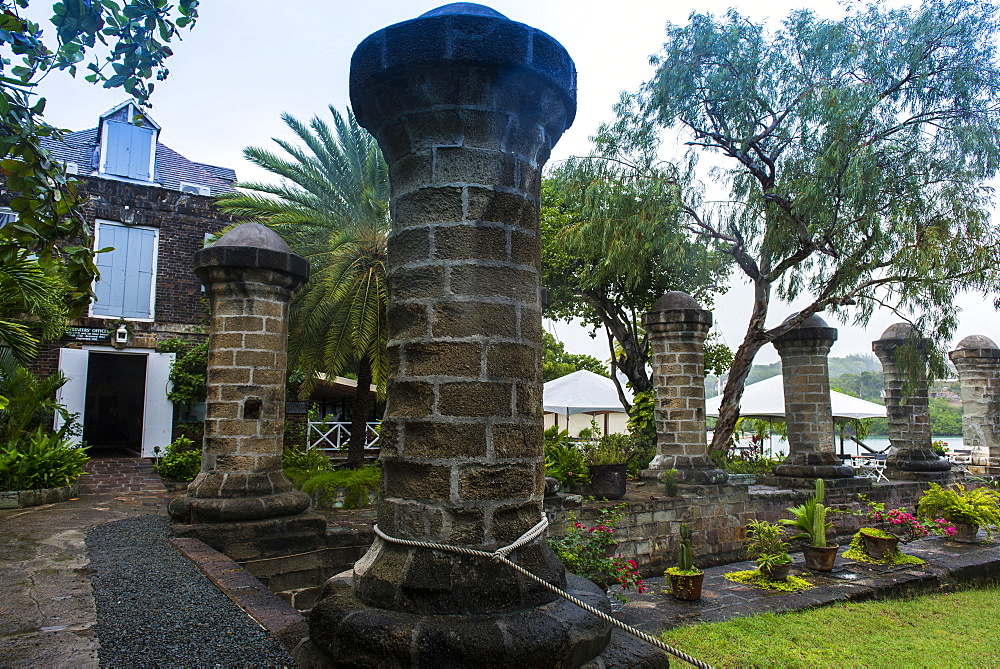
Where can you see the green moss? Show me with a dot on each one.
(857, 551)
(677, 571)
(754, 578)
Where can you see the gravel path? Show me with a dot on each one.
(155, 608)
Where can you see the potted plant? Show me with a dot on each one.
(564, 461)
(768, 549)
(685, 579)
(607, 461)
(810, 521)
(589, 552)
(895, 526)
(968, 510)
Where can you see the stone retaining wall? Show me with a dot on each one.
(718, 516)
(648, 534)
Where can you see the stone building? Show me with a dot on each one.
(155, 208)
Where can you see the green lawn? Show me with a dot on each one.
(960, 629)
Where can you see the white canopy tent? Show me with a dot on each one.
(582, 392)
(766, 399)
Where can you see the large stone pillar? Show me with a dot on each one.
(241, 503)
(677, 327)
(978, 361)
(812, 451)
(466, 106)
(910, 455)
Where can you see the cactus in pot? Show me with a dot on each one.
(685, 579)
(812, 525)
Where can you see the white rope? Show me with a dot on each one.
(500, 555)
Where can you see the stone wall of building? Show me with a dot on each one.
(183, 220)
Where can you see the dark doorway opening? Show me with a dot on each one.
(116, 396)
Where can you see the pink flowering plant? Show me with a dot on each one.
(905, 526)
(588, 551)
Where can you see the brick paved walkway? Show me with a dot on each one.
(116, 475)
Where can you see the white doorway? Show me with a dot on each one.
(120, 397)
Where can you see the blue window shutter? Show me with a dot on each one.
(111, 266)
(126, 283)
(139, 273)
(128, 149)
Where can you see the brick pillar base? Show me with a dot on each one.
(241, 503)
(806, 380)
(466, 106)
(977, 359)
(677, 326)
(911, 456)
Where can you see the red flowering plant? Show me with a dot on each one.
(588, 551)
(904, 526)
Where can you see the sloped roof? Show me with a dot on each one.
(172, 168)
(582, 392)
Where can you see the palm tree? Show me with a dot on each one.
(332, 207)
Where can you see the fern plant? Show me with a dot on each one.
(979, 506)
(810, 518)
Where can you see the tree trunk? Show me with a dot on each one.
(753, 341)
(359, 416)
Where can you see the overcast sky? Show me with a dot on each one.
(247, 61)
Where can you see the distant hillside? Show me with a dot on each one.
(851, 364)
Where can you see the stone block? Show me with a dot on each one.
(501, 207)
(416, 283)
(497, 482)
(512, 361)
(444, 440)
(486, 167)
(407, 320)
(472, 318)
(517, 440)
(475, 399)
(409, 245)
(443, 358)
(415, 480)
(427, 205)
(470, 242)
(410, 399)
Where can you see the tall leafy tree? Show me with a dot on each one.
(852, 155)
(332, 207)
(612, 246)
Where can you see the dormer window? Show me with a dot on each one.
(128, 143)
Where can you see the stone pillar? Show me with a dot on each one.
(466, 106)
(978, 361)
(910, 455)
(250, 276)
(677, 327)
(812, 451)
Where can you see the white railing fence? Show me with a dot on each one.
(332, 437)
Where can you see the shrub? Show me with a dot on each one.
(358, 485)
(563, 460)
(42, 460)
(182, 460)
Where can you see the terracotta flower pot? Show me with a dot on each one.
(966, 534)
(608, 481)
(820, 558)
(686, 586)
(879, 548)
(777, 572)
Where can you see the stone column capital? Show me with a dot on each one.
(812, 332)
(976, 350)
(671, 320)
(461, 37)
(896, 336)
(252, 246)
